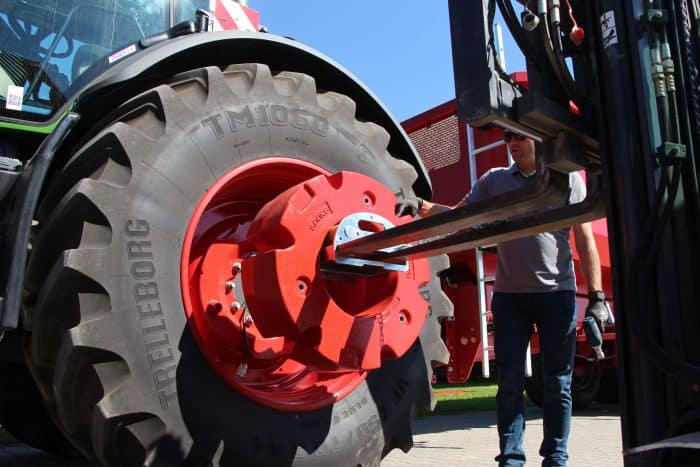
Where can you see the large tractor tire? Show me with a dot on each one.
(134, 363)
(607, 394)
(585, 384)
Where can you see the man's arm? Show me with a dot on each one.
(479, 191)
(428, 208)
(424, 208)
(590, 263)
(588, 254)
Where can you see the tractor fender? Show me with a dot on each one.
(145, 68)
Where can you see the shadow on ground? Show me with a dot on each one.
(487, 418)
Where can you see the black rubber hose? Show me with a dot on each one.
(672, 364)
(510, 17)
(689, 100)
(666, 362)
(556, 60)
(499, 66)
(691, 52)
(695, 8)
(653, 220)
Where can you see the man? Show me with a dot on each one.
(535, 284)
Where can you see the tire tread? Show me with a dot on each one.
(78, 345)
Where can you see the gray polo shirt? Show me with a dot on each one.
(540, 263)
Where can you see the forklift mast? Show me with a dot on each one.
(614, 91)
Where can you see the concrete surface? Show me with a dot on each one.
(468, 439)
(471, 439)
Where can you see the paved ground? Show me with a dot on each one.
(472, 440)
(468, 439)
(19, 455)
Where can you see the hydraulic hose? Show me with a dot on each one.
(499, 66)
(569, 82)
(510, 17)
(695, 9)
(664, 360)
(661, 211)
(689, 100)
(556, 58)
(690, 52)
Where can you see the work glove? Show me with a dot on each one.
(598, 309)
(408, 206)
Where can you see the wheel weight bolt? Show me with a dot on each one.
(213, 307)
(247, 319)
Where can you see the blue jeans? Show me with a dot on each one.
(554, 313)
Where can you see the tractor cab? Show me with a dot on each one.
(50, 49)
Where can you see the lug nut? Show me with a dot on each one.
(229, 285)
(236, 268)
(235, 306)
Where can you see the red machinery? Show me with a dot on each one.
(456, 155)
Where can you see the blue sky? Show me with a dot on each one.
(399, 49)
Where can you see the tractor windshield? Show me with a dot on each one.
(49, 49)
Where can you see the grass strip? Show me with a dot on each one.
(468, 397)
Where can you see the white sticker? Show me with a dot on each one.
(608, 28)
(15, 96)
(122, 53)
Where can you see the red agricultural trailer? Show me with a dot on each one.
(456, 155)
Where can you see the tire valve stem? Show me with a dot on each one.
(247, 318)
(242, 370)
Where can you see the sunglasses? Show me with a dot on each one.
(509, 135)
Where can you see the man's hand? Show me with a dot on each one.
(408, 206)
(598, 309)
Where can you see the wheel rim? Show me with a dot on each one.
(257, 358)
